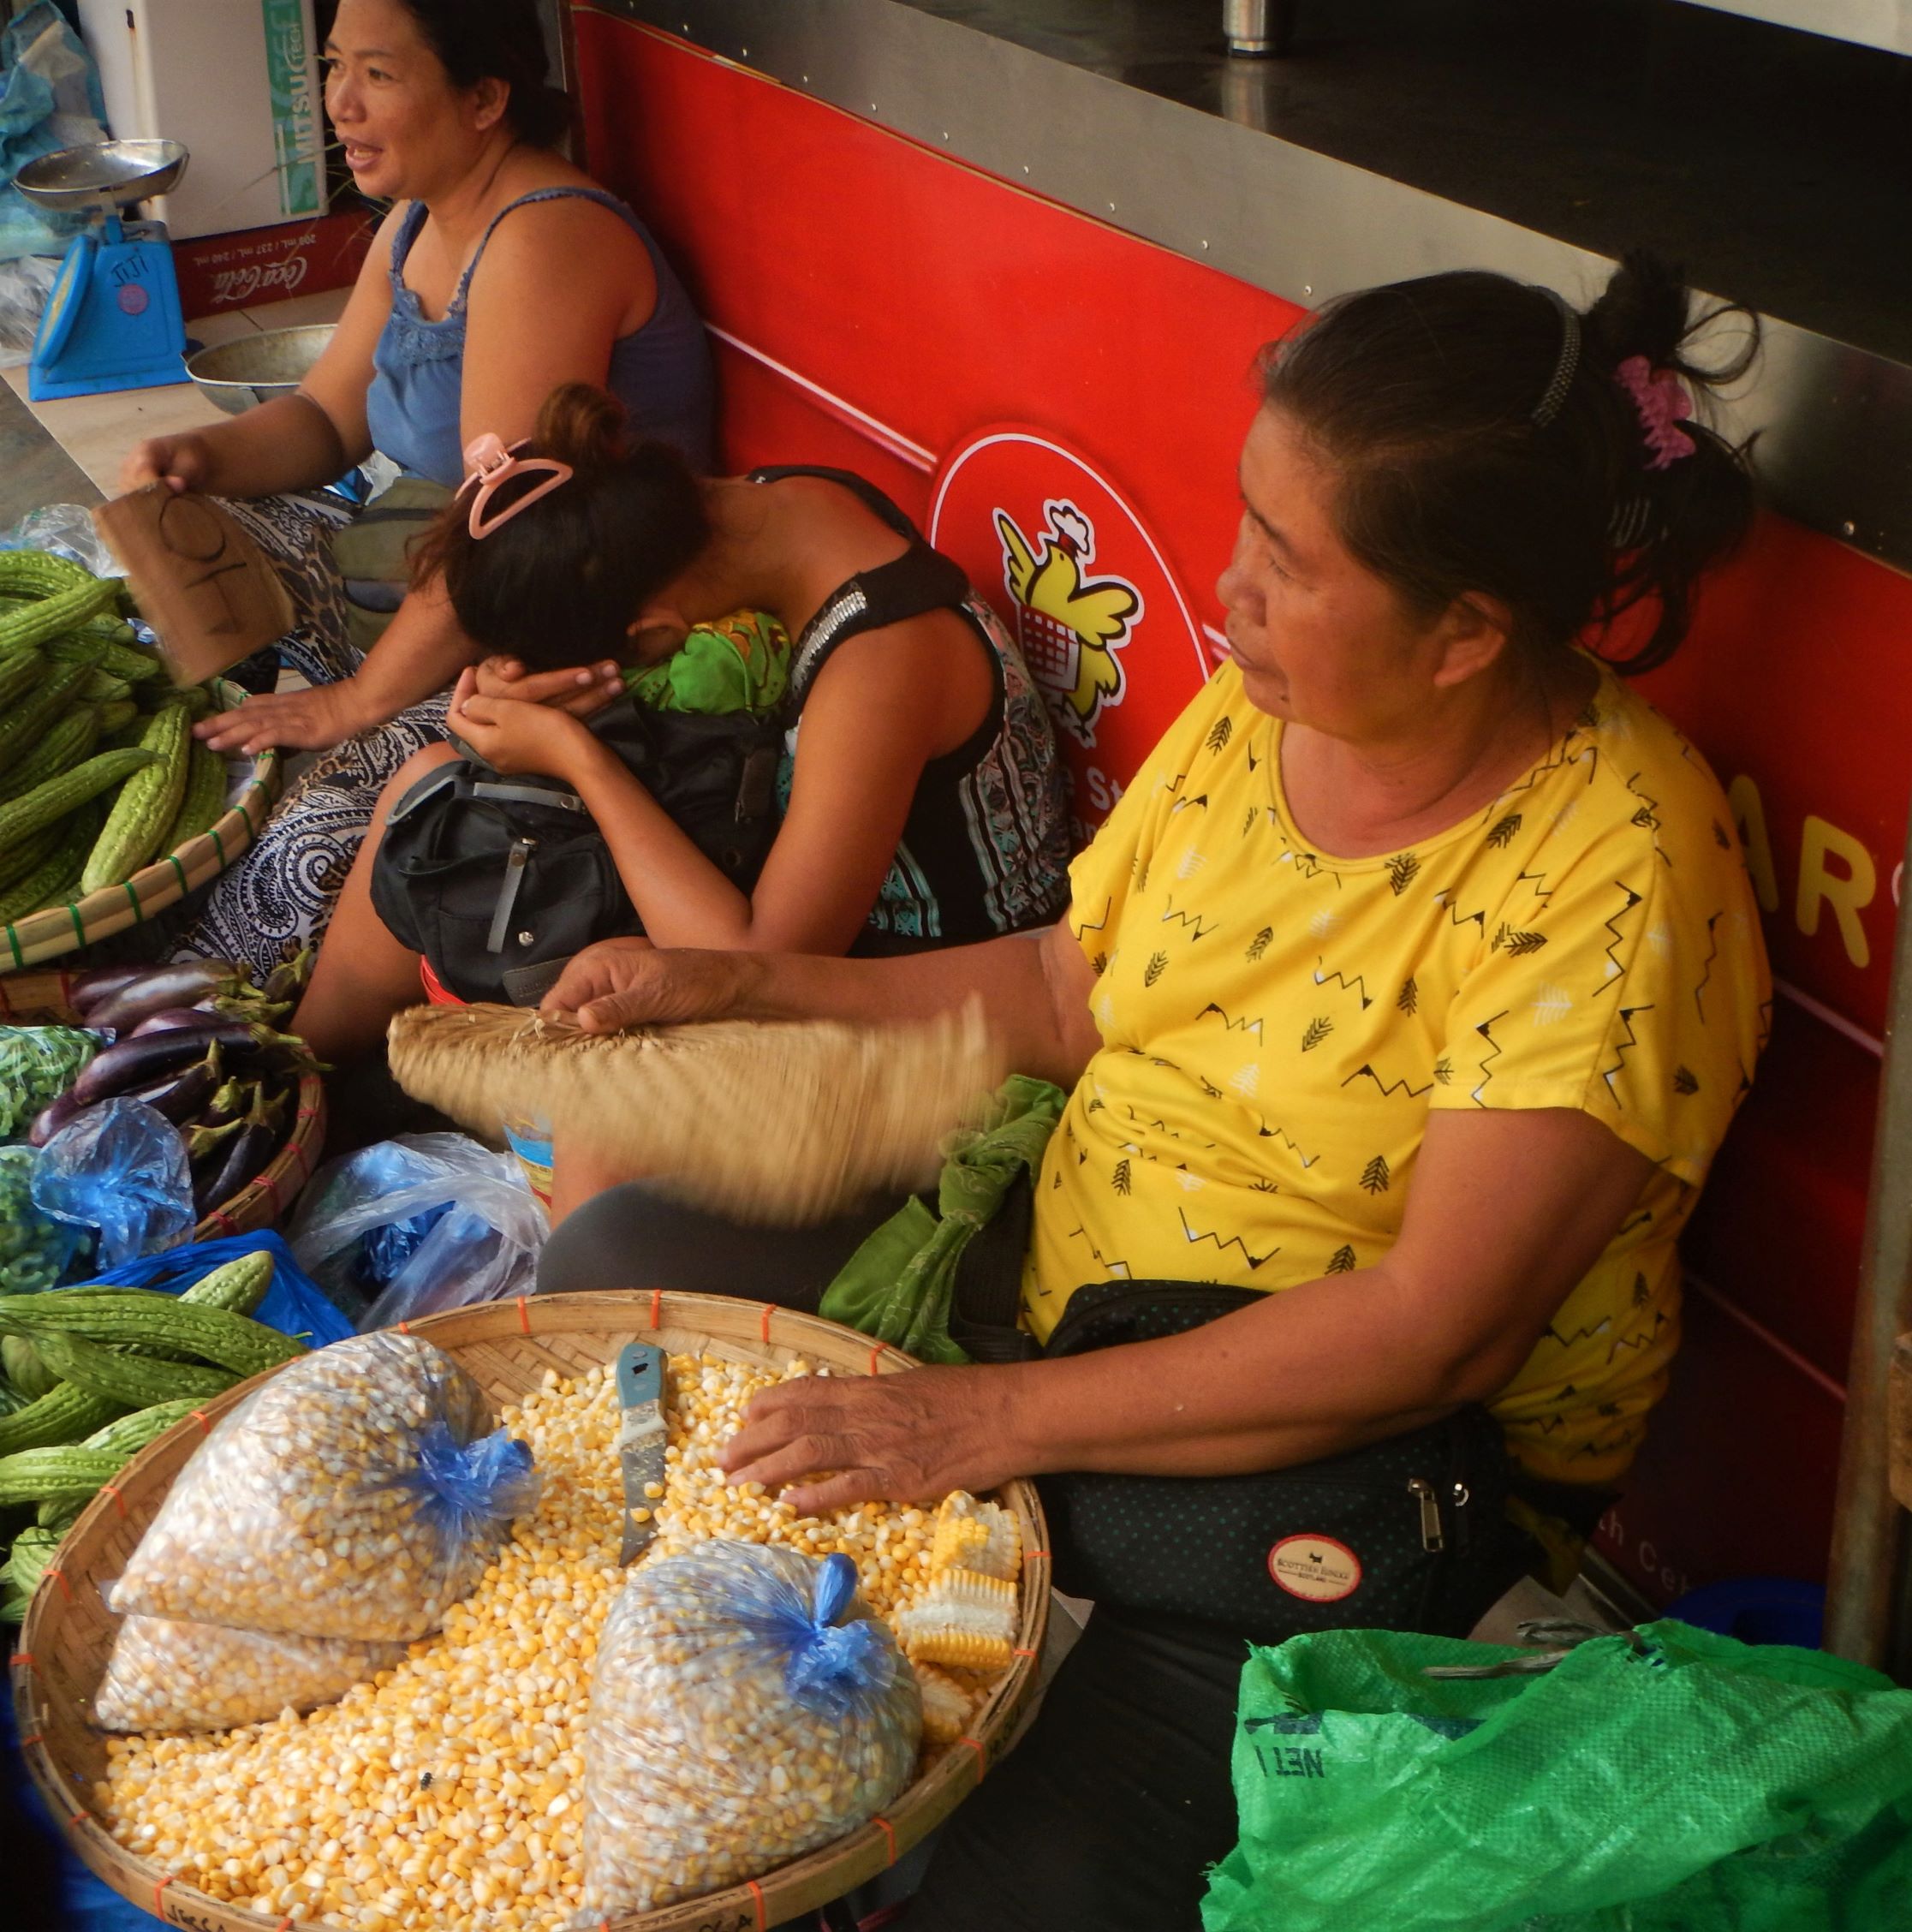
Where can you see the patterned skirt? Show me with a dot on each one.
(280, 895)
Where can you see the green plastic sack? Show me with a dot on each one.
(1702, 1786)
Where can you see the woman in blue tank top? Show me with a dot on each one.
(501, 272)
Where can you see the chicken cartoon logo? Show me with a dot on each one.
(1071, 625)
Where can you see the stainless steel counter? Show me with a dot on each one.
(1400, 139)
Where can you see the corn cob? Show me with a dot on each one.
(27, 1373)
(64, 1416)
(19, 730)
(146, 803)
(29, 575)
(946, 1704)
(107, 652)
(129, 1434)
(45, 1476)
(135, 1382)
(203, 802)
(65, 610)
(984, 1537)
(48, 803)
(238, 1287)
(961, 1619)
(65, 742)
(143, 1317)
(18, 674)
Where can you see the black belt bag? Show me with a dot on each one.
(1408, 1534)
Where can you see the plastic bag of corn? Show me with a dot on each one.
(745, 1709)
(356, 1495)
(168, 1676)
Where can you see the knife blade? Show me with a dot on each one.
(641, 1441)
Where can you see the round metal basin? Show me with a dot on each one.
(103, 175)
(255, 368)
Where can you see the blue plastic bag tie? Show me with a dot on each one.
(834, 1667)
(470, 1484)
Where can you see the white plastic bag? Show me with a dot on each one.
(745, 1707)
(355, 1231)
(358, 1493)
(168, 1676)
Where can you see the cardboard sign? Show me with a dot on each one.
(202, 583)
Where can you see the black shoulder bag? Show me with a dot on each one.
(498, 881)
(1406, 1533)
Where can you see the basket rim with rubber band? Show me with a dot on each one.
(61, 929)
(46, 999)
(506, 1346)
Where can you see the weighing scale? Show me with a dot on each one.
(113, 320)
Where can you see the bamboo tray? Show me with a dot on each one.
(27, 999)
(63, 929)
(506, 1346)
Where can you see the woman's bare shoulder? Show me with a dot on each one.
(569, 239)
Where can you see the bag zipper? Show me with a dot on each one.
(1433, 1534)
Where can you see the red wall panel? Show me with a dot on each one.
(910, 301)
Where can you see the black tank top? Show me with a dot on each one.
(985, 850)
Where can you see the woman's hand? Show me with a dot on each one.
(620, 983)
(901, 1439)
(181, 462)
(517, 735)
(581, 692)
(313, 720)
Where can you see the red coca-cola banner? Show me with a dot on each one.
(252, 265)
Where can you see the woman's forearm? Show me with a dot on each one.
(1311, 1371)
(287, 443)
(682, 898)
(422, 651)
(1033, 1009)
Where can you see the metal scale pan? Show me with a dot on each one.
(113, 318)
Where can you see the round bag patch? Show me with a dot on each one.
(1316, 1569)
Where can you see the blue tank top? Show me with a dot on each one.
(661, 372)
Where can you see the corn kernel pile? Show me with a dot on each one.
(446, 1794)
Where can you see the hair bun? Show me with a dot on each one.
(582, 426)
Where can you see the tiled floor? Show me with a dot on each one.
(96, 432)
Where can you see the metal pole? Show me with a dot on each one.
(1863, 1595)
(1256, 28)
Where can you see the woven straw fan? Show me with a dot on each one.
(784, 1122)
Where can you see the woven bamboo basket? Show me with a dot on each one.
(45, 999)
(63, 929)
(506, 1346)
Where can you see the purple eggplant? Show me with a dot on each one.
(169, 1018)
(252, 1147)
(182, 1096)
(98, 983)
(182, 984)
(139, 1063)
(53, 1119)
(226, 1106)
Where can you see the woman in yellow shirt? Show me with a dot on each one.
(1405, 996)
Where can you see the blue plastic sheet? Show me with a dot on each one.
(294, 1304)
(50, 98)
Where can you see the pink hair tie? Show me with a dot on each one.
(1660, 397)
(488, 464)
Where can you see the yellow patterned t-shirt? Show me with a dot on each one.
(1276, 1024)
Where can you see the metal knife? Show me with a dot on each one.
(640, 1443)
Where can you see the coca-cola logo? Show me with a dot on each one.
(241, 284)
